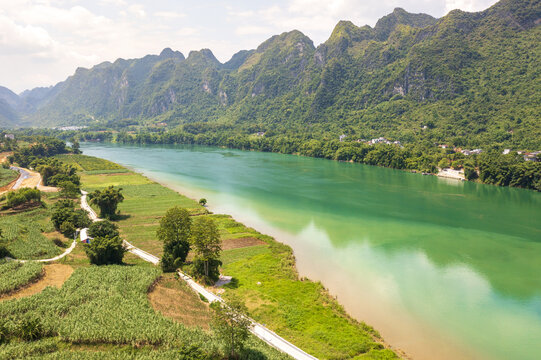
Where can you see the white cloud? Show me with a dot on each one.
(467, 5)
(137, 10)
(169, 14)
(253, 29)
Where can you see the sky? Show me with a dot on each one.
(44, 41)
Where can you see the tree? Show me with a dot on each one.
(75, 147)
(23, 196)
(103, 228)
(105, 250)
(107, 200)
(69, 189)
(207, 246)
(174, 231)
(231, 325)
(202, 201)
(68, 229)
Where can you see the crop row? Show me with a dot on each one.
(23, 236)
(14, 274)
(109, 305)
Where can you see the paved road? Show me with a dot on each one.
(24, 175)
(68, 250)
(258, 330)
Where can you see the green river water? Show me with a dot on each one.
(443, 269)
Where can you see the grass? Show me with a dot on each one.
(145, 202)
(14, 275)
(234, 255)
(300, 311)
(7, 176)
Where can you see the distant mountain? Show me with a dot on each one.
(467, 78)
(9, 102)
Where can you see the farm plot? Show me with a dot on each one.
(14, 275)
(106, 305)
(24, 238)
(88, 163)
(7, 176)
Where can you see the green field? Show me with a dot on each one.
(105, 306)
(14, 274)
(144, 204)
(24, 234)
(88, 163)
(300, 311)
(7, 176)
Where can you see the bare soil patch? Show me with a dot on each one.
(177, 301)
(228, 244)
(55, 275)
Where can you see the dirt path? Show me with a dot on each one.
(55, 275)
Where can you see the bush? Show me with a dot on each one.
(23, 196)
(4, 252)
(30, 329)
(3, 333)
(102, 229)
(63, 213)
(105, 250)
(68, 229)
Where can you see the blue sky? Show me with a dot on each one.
(44, 41)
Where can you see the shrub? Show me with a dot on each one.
(103, 228)
(203, 202)
(30, 329)
(4, 252)
(68, 229)
(23, 196)
(105, 250)
(78, 218)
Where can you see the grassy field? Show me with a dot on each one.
(145, 202)
(31, 235)
(7, 176)
(300, 311)
(13, 275)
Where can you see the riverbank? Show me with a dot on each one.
(436, 265)
(265, 275)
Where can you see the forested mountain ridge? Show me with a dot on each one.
(468, 79)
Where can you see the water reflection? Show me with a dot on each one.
(462, 258)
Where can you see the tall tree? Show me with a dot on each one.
(231, 325)
(107, 200)
(207, 246)
(175, 232)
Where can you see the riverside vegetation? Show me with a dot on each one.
(301, 311)
(106, 307)
(467, 80)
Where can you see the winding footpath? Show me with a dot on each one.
(257, 329)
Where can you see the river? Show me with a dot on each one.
(443, 269)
